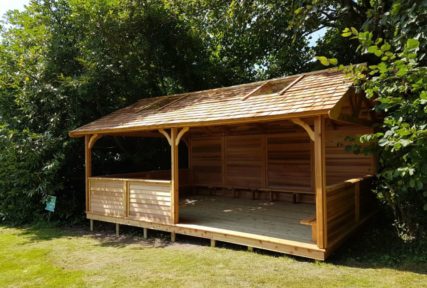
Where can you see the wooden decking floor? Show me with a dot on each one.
(272, 219)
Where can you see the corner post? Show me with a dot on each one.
(320, 181)
(88, 169)
(175, 177)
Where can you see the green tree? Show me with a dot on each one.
(395, 80)
(65, 63)
(398, 85)
(250, 40)
(395, 20)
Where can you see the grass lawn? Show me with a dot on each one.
(69, 257)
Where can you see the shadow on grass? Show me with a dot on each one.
(376, 246)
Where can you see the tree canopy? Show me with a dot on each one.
(64, 63)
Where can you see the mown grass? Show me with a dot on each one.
(43, 256)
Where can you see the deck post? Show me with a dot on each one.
(173, 237)
(145, 233)
(117, 229)
(320, 181)
(175, 177)
(88, 169)
(213, 242)
(91, 224)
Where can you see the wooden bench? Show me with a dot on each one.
(273, 191)
(311, 221)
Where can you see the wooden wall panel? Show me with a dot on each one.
(281, 159)
(348, 205)
(107, 197)
(340, 212)
(290, 161)
(147, 200)
(206, 161)
(244, 161)
(342, 165)
(150, 201)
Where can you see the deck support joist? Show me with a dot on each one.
(215, 234)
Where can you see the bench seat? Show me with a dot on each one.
(311, 221)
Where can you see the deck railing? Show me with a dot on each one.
(136, 199)
(348, 203)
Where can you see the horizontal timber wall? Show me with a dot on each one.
(349, 204)
(278, 160)
(341, 164)
(147, 200)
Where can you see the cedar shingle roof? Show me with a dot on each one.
(307, 94)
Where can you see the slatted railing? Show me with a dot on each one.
(348, 203)
(136, 199)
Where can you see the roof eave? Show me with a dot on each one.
(81, 132)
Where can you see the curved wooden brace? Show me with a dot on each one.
(305, 126)
(180, 134)
(168, 137)
(92, 140)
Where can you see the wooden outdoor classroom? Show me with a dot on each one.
(268, 165)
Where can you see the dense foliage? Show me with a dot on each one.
(399, 86)
(396, 80)
(64, 63)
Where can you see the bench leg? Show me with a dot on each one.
(314, 232)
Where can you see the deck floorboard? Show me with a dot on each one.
(272, 219)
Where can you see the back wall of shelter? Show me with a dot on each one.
(278, 156)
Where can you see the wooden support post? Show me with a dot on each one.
(223, 161)
(91, 224)
(88, 170)
(213, 242)
(145, 233)
(173, 139)
(320, 179)
(89, 142)
(173, 237)
(117, 229)
(250, 249)
(126, 197)
(175, 178)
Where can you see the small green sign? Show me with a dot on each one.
(50, 203)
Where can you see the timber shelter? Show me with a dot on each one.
(267, 168)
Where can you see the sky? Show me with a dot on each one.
(12, 4)
(315, 36)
